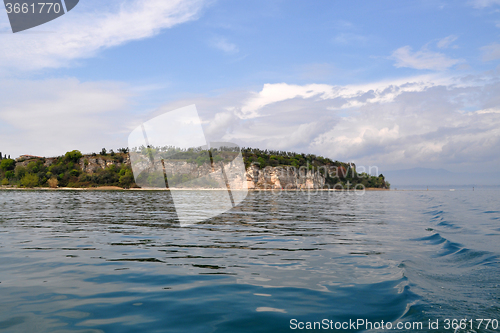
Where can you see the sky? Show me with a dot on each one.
(392, 84)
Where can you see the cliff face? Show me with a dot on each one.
(93, 164)
(284, 178)
(189, 168)
(256, 177)
(183, 174)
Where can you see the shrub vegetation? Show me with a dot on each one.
(66, 170)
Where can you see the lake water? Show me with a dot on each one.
(74, 261)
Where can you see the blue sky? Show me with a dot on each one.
(240, 44)
(387, 83)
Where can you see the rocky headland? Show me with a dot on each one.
(262, 170)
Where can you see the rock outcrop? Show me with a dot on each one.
(92, 164)
(181, 174)
(287, 178)
(192, 174)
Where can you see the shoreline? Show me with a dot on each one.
(116, 188)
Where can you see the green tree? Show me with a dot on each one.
(7, 164)
(20, 171)
(73, 156)
(29, 180)
(262, 162)
(33, 167)
(127, 179)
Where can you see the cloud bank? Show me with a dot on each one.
(429, 121)
(49, 117)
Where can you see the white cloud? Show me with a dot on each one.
(484, 3)
(430, 121)
(446, 42)
(486, 111)
(272, 93)
(221, 124)
(84, 31)
(51, 117)
(223, 44)
(392, 124)
(491, 52)
(345, 96)
(423, 59)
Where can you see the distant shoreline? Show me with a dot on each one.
(116, 188)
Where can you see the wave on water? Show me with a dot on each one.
(118, 262)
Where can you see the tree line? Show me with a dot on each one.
(68, 170)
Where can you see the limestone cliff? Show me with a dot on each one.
(257, 178)
(284, 178)
(184, 174)
(181, 174)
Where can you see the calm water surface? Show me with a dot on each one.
(118, 261)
